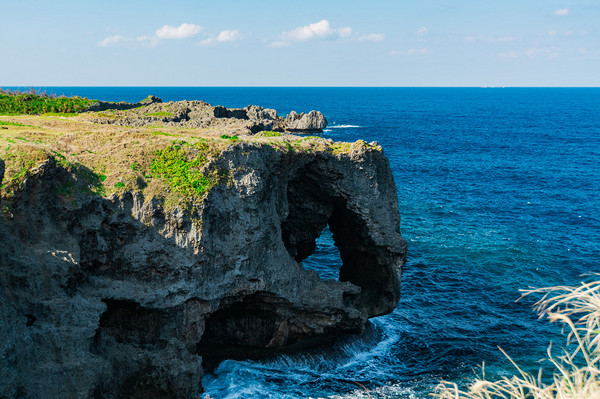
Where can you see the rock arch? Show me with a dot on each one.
(315, 200)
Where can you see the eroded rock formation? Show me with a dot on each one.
(314, 121)
(119, 298)
(198, 114)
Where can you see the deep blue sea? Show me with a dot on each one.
(499, 190)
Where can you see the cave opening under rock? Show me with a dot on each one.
(318, 215)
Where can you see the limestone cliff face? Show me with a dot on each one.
(116, 297)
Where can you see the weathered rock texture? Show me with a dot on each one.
(118, 298)
(198, 114)
(313, 121)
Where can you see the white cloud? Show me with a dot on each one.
(372, 37)
(318, 30)
(181, 32)
(224, 36)
(491, 39)
(562, 12)
(422, 31)
(535, 52)
(166, 32)
(343, 32)
(111, 41)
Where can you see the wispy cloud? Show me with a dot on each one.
(510, 54)
(167, 32)
(422, 31)
(111, 41)
(490, 39)
(372, 37)
(224, 36)
(279, 44)
(546, 52)
(562, 12)
(180, 32)
(534, 53)
(411, 52)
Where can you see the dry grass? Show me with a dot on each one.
(576, 366)
(120, 156)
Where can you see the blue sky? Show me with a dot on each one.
(292, 43)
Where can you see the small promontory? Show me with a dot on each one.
(134, 256)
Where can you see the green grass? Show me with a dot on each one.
(181, 166)
(232, 138)
(159, 133)
(9, 123)
(270, 133)
(160, 114)
(31, 103)
(23, 164)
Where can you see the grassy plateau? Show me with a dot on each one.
(163, 161)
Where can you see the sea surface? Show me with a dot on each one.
(499, 190)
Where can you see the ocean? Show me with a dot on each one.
(498, 189)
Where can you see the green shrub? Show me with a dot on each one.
(32, 103)
(232, 138)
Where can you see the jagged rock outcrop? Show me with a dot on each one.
(314, 121)
(123, 105)
(119, 298)
(198, 114)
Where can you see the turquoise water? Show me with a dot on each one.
(499, 190)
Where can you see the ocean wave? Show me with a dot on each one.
(344, 126)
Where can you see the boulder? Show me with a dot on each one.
(256, 113)
(314, 121)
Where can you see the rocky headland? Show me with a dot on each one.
(198, 114)
(134, 256)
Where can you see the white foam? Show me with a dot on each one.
(344, 126)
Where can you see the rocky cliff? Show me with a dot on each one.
(126, 297)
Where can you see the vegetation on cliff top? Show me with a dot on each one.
(576, 370)
(32, 103)
(184, 167)
(164, 161)
(171, 163)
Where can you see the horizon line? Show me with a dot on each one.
(309, 87)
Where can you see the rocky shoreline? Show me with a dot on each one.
(198, 114)
(129, 295)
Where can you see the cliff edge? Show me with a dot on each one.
(130, 292)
